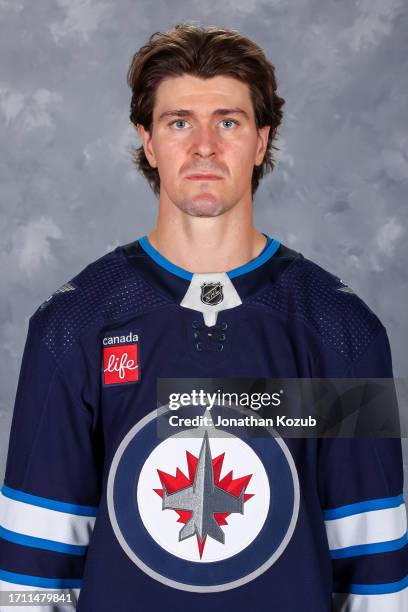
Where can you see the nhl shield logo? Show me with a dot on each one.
(211, 293)
(202, 513)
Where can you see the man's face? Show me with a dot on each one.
(204, 143)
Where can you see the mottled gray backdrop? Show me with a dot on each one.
(69, 192)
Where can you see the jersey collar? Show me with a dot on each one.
(270, 249)
(174, 281)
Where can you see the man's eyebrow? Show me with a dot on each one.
(182, 112)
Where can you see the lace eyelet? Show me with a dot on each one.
(199, 346)
(220, 347)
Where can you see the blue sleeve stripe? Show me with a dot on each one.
(51, 504)
(33, 542)
(371, 504)
(369, 549)
(371, 589)
(39, 581)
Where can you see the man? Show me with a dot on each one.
(94, 499)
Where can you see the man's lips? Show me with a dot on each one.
(204, 177)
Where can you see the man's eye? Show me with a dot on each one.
(231, 123)
(177, 122)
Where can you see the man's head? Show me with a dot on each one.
(204, 102)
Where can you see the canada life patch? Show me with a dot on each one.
(202, 511)
(121, 359)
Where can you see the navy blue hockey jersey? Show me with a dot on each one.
(96, 502)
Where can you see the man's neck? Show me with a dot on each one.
(211, 244)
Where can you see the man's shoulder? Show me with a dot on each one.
(105, 291)
(324, 302)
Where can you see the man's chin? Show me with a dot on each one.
(204, 206)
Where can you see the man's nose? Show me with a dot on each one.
(205, 142)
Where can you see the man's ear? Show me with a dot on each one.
(146, 139)
(263, 134)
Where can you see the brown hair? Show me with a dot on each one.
(204, 52)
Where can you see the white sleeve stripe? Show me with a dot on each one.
(367, 528)
(46, 502)
(27, 520)
(378, 503)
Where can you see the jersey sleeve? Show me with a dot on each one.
(49, 499)
(361, 490)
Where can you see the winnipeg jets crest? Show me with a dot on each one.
(203, 501)
(200, 511)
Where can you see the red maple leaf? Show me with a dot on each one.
(232, 485)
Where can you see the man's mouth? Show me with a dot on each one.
(204, 177)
